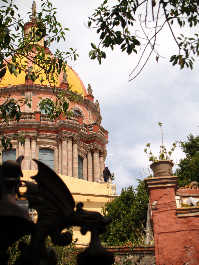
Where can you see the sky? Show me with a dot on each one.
(131, 110)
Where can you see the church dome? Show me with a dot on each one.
(68, 80)
(74, 82)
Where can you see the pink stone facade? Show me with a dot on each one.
(67, 137)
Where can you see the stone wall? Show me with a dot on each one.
(176, 228)
(133, 256)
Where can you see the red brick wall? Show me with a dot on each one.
(176, 238)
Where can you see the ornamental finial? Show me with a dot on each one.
(65, 77)
(34, 10)
(90, 91)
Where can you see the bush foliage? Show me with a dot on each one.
(188, 168)
(128, 213)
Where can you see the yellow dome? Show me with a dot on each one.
(74, 82)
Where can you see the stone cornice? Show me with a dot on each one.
(65, 128)
(46, 142)
(38, 88)
(24, 88)
(161, 182)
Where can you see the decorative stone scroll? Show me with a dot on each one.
(194, 185)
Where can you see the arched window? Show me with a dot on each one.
(77, 112)
(46, 156)
(46, 106)
(9, 155)
(80, 167)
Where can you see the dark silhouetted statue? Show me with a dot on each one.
(106, 174)
(55, 207)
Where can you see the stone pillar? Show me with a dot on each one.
(56, 159)
(90, 166)
(96, 165)
(34, 154)
(27, 154)
(70, 157)
(64, 157)
(75, 160)
(60, 159)
(17, 150)
(20, 149)
(1, 155)
(37, 151)
(101, 166)
(170, 232)
(85, 172)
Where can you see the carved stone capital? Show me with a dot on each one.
(103, 153)
(82, 152)
(76, 139)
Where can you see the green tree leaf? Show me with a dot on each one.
(128, 213)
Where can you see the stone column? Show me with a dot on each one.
(60, 159)
(1, 155)
(56, 159)
(167, 226)
(70, 157)
(85, 172)
(34, 154)
(17, 150)
(101, 166)
(27, 154)
(37, 151)
(75, 160)
(20, 149)
(90, 166)
(64, 157)
(96, 165)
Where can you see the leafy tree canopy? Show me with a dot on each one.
(19, 49)
(15, 45)
(131, 24)
(128, 213)
(188, 170)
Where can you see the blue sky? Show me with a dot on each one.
(131, 110)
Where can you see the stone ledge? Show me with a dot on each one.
(135, 250)
(96, 195)
(159, 182)
(80, 186)
(187, 212)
